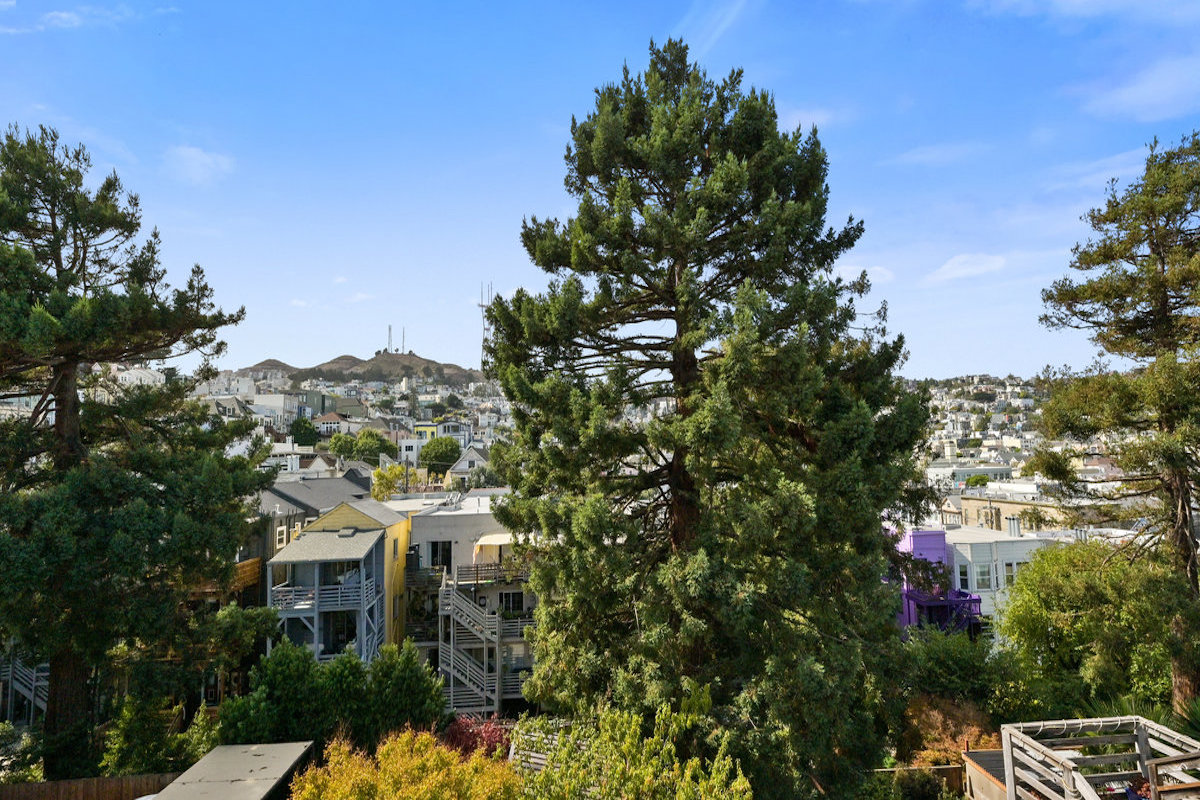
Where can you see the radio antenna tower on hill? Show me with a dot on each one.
(487, 329)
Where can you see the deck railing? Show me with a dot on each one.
(334, 596)
(424, 577)
(497, 572)
(1086, 759)
(515, 628)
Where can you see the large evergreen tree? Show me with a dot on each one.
(1136, 294)
(112, 502)
(706, 435)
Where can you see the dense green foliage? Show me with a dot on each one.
(613, 759)
(366, 445)
(976, 481)
(304, 433)
(20, 755)
(952, 665)
(732, 544)
(293, 698)
(1087, 622)
(113, 502)
(1135, 295)
(439, 454)
(142, 739)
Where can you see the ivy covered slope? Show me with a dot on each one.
(112, 502)
(731, 544)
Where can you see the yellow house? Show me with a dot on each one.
(340, 582)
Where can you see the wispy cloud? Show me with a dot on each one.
(359, 297)
(62, 19)
(938, 155)
(792, 118)
(1094, 175)
(876, 275)
(1157, 11)
(965, 265)
(1166, 89)
(706, 21)
(193, 165)
(340, 279)
(69, 19)
(298, 303)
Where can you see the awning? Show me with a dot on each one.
(494, 539)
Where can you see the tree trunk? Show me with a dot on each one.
(1185, 666)
(681, 484)
(68, 746)
(1185, 671)
(68, 443)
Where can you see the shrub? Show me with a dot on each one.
(411, 765)
(469, 734)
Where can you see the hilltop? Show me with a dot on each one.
(383, 366)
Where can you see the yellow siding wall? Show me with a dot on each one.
(393, 575)
(343, 516)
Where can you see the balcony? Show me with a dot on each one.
(428, 578)
(306, 598)
(496, 572)
(514, 628)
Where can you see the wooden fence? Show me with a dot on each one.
(124, 788)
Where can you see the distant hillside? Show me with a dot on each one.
(381, 367)
(267, 366)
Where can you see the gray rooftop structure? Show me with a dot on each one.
(344, 545)
(241, 772)
(377, 511)
(314, 495)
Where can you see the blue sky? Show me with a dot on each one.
(339, 168)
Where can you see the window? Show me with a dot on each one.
(1010, 573)
(983, 576)
(964, 581)
(439, 554)
(395, 549)
(280, 536)
(513, 602)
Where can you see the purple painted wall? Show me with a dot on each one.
(947, 608)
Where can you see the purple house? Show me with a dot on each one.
(950, 610)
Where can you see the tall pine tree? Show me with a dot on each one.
(1136, 296)
(706, 435)
(112, 502)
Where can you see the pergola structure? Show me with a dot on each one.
(1095, 759)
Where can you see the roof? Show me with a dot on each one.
(317, 495)
(239, 772)
(344, 545)
(377, 511)
(331, 416)
(990, 761)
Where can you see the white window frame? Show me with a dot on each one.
(984, 576)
